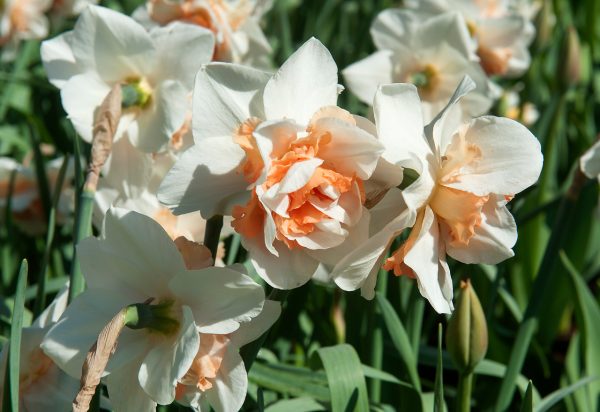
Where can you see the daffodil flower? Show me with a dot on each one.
(500, 32)
(433, 54)
(21, 20)
(107, 48)
(279, 155)
(136, 261)
(457, 206)
(235, 24)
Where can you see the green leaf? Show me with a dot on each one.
(11, 383)
(438, 403)
(345, 378)
(373, 373)
(399, 339)
(296, 405)
(588, 318)
(290, 380)
(527, 405)
(558, 395)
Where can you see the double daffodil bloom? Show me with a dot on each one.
(457, 206)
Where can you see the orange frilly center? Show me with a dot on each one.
(326, 184)
(206, 364)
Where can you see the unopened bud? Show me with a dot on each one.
(545, 23)
(570, 68)
(466, 334)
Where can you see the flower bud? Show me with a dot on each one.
(545, 22)
(466, 333)
(570, 68)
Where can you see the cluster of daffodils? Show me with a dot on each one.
(312, 190)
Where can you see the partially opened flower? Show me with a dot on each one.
(107, 48)
(218, 375)
(42, 385)
(235, 24)
(281, 157)
(500, 32)
(433, 54)
(467, 174)
(21, 20)
(135, 262)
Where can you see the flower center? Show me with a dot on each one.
(136, 92)
(253, 164)
(426, 79)
(206, 364)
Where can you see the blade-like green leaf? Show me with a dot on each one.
(588, 317)
(438, 403)
(400, 339)
(383, 376)
(289, 380)
(11, 383)
(296, 405)
(527, 405)
(345, 378)
(558, 395)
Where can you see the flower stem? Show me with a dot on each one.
(212, 234)
(376, 355)
(463, 396)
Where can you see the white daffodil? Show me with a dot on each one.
(136, 261)
(235, 24)
(281, 157)
(218, 375)
(433, 54)
(500, 32)
(21, 20)
(590, 165)
(42, 385)
(457, 206)
(107, 48)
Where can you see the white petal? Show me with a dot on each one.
(352, 151)
(493, 240)
(392, 26)
(125, 391)
(291, 269)
(399, 120)
(225, 95)
(250, 331)
(298, 175)
(58, 59)
(55, 310)
(156, 123)
(188, 45)
(231, 383)
(511, 158)
(169, 360)
(112, 44)
(206, 178)
(135, 255)
(328, 234)
(424, 259)
(306, 82)
(590, 161)
(364, 76)
(220, 298)
(81, 96)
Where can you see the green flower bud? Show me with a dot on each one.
(466, 333)
(570, 68)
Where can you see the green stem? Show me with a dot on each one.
(234, 248)
(376, 354)
(212, 234)
(463, 395)
(83, 227)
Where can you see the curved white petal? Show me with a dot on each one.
(58, 59)
(250, 331)
(169, 360)
(155, 124)
(112, 44)
(181, 50)
(125, 391)
(590, 161)
(510, 158)
(306, 82)
(220, 298)
(206, 178)
(231, 383)
(225, 95)
(424, 259)
(493, 240)
(397, 109)
(364, 76)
